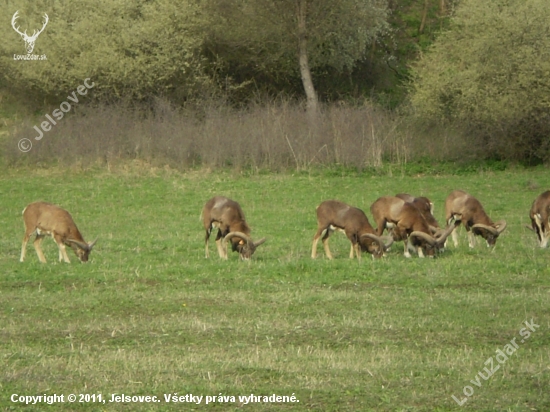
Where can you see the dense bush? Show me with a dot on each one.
(489, 76)
(182, 49)
(129, 49)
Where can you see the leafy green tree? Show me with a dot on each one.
(285, 39)
(129, 49)
(490, 75)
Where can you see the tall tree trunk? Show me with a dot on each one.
(424, 15)
(442, 13)
(305, 72)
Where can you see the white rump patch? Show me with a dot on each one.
(337, 229)
(43, 232)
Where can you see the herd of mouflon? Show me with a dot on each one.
(404, 217)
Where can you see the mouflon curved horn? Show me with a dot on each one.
(81, 245)
(259, 242)
(231, 235)
(91, 245)
(436, 231)
(501, 225)
(496, 229)
(444, 234)
(416, 234)
(383, 245)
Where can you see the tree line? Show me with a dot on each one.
(480, 69)
(193, 49)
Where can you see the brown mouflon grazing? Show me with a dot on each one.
(463, 207)
(423, 204)
(539, 215)
(405, 222)
(335, 215)
(228, 217)
(45, 219)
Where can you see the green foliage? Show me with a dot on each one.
(490, 74)
(129, 49)
(255, 42)
(406, 21)
(187, 49)
(413, 27)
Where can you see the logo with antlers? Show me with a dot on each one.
(29, 40)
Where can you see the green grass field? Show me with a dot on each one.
(149, 315)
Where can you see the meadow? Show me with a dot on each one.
(149, 315)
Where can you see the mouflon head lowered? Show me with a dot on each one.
(226, 215)
(46, 219)
(335, 215)
(465, 208)
(404, 221)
